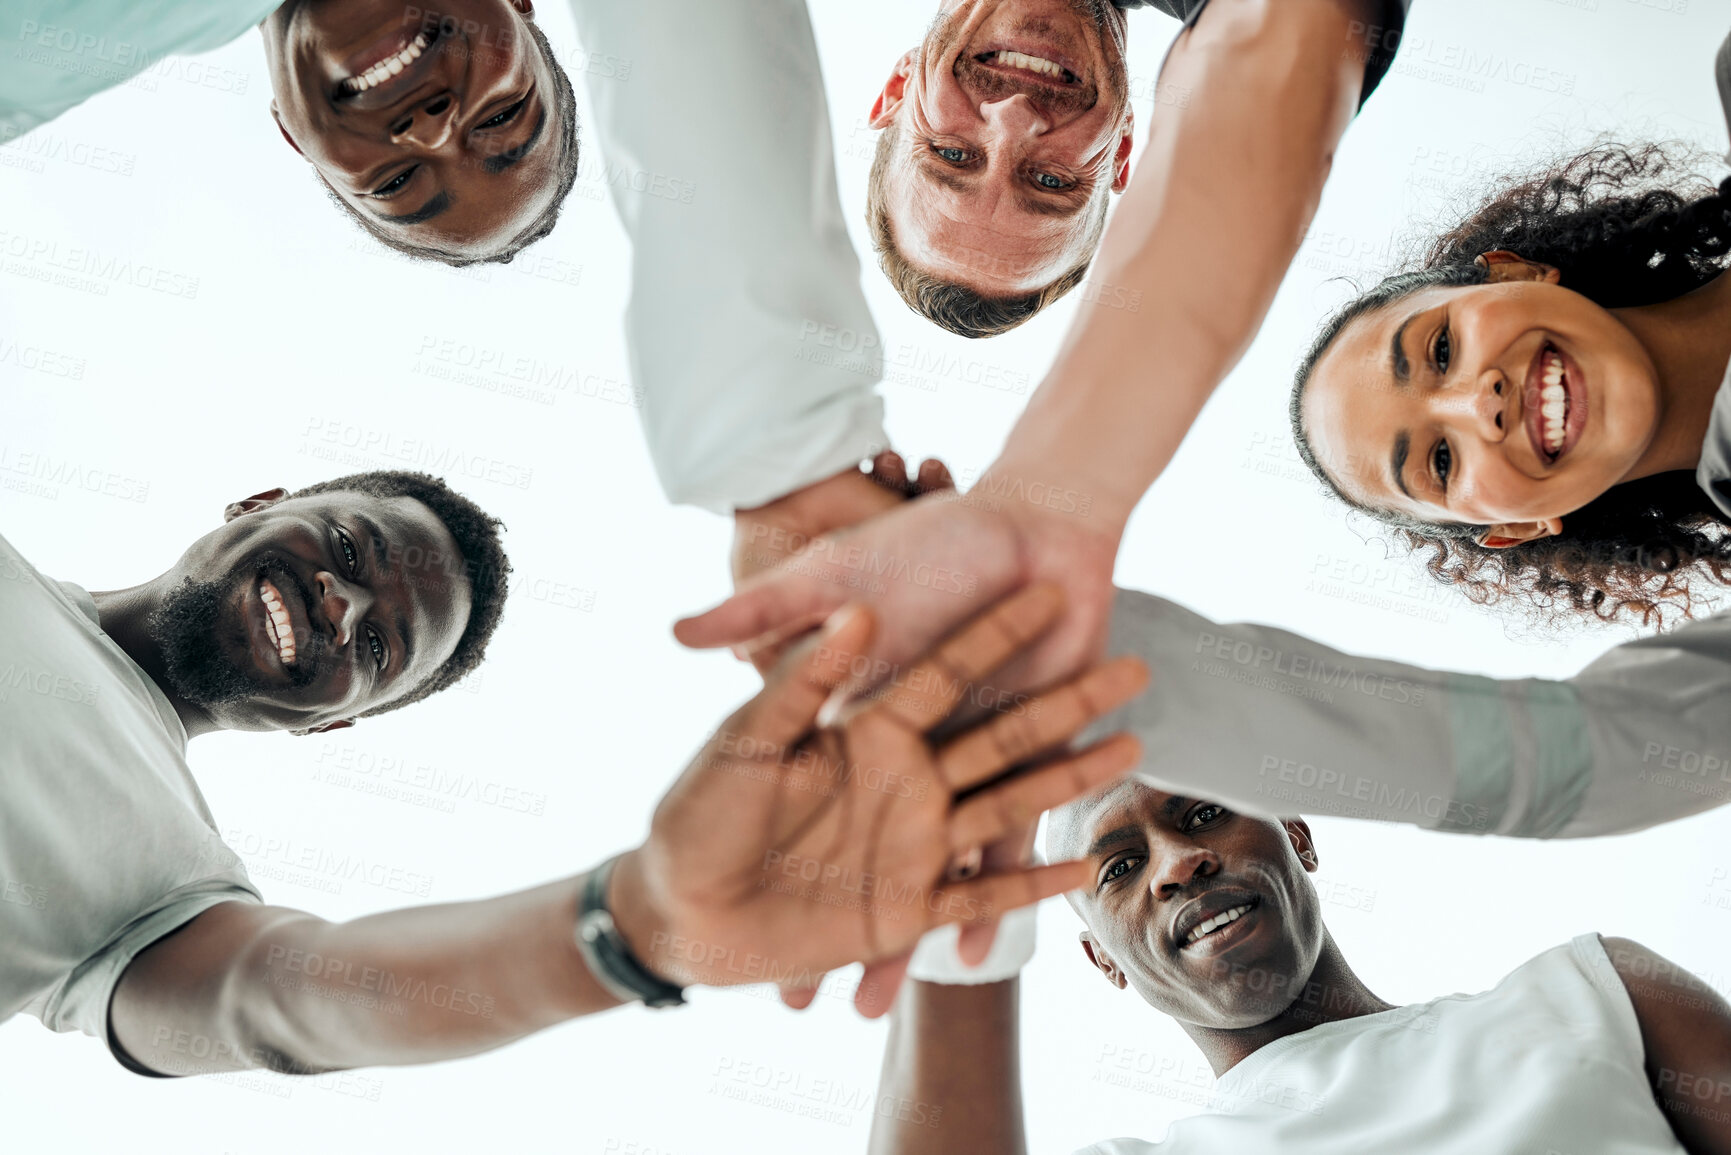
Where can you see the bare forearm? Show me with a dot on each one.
(407, 986)
(952, 1061)
(1206, 230)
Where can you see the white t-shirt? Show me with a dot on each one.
(106, 844)
(1548, 1061)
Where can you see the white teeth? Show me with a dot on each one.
(385, 69)
(1030, 63)
(278, 621)
(1553, 402)
(1209, 925)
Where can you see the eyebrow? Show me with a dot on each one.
(1119, 835)
(498, 164)
(1114, 837)
(381, 554)
(1033, 202)
(440, 202)
(1397, 461)
(934, 169)
(1397, 353)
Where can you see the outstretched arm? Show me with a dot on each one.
(262, 986)
(837, 835)
(1270, 721)
(1253, 101)
(951, 1077)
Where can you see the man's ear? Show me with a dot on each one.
(1102, 960)
(254, 503)
(1121, 162)
(277, 116)
(525, 7)
(1511, 533)
(1298, 833)
(325, 728)
(1504, 267)
(889, 101)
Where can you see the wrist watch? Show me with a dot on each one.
(606, 953)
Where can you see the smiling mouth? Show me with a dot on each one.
(389, 67)
(1553, 402)
(1219, 922)
(1047, 70)
(278, 622)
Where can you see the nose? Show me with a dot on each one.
(1482, 404)
(429, 124)
(1015, 117)
(342, 604)
(1180, 867)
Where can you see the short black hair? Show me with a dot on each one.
(484, 563)
(566, 99)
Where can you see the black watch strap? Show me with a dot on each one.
(609, 956)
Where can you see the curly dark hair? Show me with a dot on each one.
(484, 563)
(1625, 226)
(565, 101)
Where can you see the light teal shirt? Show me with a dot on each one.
(58, 53)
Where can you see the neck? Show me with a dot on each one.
(1689, 340)
(1331, 994)
(124, 614)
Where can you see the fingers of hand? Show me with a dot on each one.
(1007, 807)
(941, 682)
(1040, 723)
(765, 605)
(800, 997)
(890, 471)
(934, 475)
(974, 942)
(787, 708)
(984, 900)
(880, 983)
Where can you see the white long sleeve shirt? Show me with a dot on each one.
(748, 334)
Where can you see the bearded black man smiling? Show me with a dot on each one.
(303, 612)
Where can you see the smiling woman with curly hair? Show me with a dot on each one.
(1539, 403)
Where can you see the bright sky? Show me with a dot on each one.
(269, 343)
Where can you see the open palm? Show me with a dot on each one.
(789, 848)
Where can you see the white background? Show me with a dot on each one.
(301, 330)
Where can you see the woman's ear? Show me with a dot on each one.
(1504, 266)
(1513, 533)
(889, 101)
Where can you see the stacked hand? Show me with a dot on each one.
(795, 844)
(925, 566)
